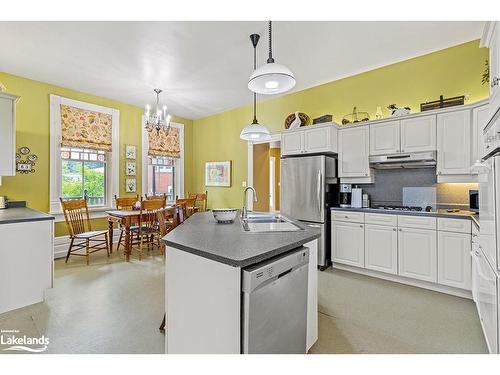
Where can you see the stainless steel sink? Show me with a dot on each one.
(260, 222)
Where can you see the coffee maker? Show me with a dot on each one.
(345, 195)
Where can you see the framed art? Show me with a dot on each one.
(130, 151)
(218, 173)
(130, 168)
(130, 185)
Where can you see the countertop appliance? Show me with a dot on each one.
(309, 187)
(357, 198)
(345, 195)
(409, 160)
(274, 305)
(474, 200)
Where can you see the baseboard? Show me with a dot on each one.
(404, 280)
(61, 244)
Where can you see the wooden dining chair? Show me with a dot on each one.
(125, 204)
(76, 215)
(162, 197)
(148, 230)
(189, 203)
(201, 200)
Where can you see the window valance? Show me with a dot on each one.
(165, 144)
(86, 129)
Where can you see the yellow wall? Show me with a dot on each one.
(449, 72)
(32, 130)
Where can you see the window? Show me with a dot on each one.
(161, 176)
(84, 154)
(83, 174)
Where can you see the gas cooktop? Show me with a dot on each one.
(398, 208)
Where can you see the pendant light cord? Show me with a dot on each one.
(270, 59)
(254, 94)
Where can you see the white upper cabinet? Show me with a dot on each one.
(384, 138)
(411, 135)
(292, 143)
(417, 254)
(309, 140)
(454, 143)
(320, 139)
(7, 134)
(418, 134)
(354, 151)
(480, 117)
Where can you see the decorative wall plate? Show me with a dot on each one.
(24, 150)
(32, 157)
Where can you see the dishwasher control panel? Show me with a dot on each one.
(262, 273)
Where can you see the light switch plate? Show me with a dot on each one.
(243, 184)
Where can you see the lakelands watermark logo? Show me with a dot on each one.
(22, 343)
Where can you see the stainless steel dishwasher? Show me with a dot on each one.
(274, 305)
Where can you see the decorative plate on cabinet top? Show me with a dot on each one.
(24, 150)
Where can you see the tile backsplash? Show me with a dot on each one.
(389, 184)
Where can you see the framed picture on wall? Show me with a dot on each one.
(130, 185)
(130, 151)
(218, 173)
(130, 168)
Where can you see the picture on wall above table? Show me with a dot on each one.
(130, 168)
(130, 152)
(218, 173)
(130, 185)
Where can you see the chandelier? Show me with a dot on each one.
(159, 118)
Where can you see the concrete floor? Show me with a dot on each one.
(116, 307)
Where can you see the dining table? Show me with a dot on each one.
(125, 219)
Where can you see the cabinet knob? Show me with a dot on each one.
(361, 226)
(366, 174)
(400, 230)
(394, 229)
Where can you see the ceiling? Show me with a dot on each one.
(203, 67)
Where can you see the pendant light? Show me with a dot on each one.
(255, 131)
(271, 78)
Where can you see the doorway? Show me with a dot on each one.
(266, 176)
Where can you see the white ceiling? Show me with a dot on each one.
(204, 66)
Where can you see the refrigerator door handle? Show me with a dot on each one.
(320, 183)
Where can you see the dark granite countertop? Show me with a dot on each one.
(22, 214)
(230, 244)
(439, 213)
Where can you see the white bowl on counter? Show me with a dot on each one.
(225, 215)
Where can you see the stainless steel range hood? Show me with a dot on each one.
(408, 160)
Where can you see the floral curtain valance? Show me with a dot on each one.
(165, 144)
(86, 129)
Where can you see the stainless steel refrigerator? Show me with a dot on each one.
(309, 187)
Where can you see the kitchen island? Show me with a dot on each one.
(204, 267)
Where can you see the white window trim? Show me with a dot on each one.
(179, 163)
(113, 163)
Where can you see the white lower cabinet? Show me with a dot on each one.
(312, 295)
(381, 248)
(348, 243)
(454, 260)
(417, 254)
